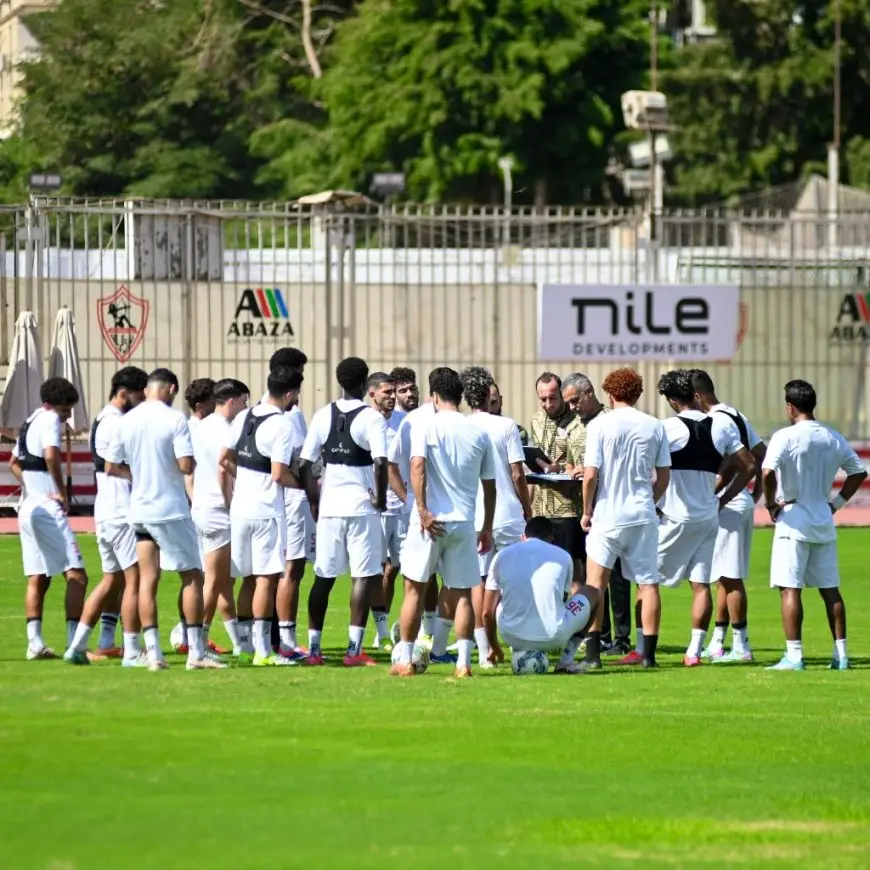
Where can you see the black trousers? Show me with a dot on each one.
(571, 538)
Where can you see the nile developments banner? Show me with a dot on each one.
(630, 322)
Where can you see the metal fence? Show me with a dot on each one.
(212, 289)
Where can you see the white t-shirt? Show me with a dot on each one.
(294, 497)
(807, 457)
(725, 431)
(400, 448)
(150, 438)
(507, 448)
(344, 489)
(45, 431)
(193, 423)
(255, 495)
(395, 507)
(691, 495)
(458, 456)
(625, 446)
(533, 578)
(113, 493)
(209, 440)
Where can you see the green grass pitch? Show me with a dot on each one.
(284, 768)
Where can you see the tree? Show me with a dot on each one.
(440, 90)
(755, 107)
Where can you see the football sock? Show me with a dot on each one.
(314, 642)
(739, 638)
(382, 623)
(34, 633)
(428, 624)
(840, 653)
(440, 635)
(696, 643)
(482, 642)
(108, 625)
(152, 643)
(355, 636)
(794, 651)
(463, 650)
(81, 636)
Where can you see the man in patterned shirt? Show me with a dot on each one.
(579, 395)
(551, 430)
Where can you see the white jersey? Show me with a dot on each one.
(625, 446)
(533, 577)
(725, 430)
(807, 457)
(458, 456)
(255, 495)
(400, 448)
(294, 497)
(395, 506)
(45, 430)
(150, 439)
(344, 489)
(113, 493)
(507, 448)
(209, 440)
(691, 495)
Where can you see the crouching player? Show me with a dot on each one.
(525, 596)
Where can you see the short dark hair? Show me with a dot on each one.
(476, 382)
(403, 375)
(282, 380)
(229, 388)
(198, 391)
(677, 385)
(287, 358)
(445, 383)
(541, 528)
(58, 392)
(548, 378)
(702, 382)
(163, 376)
(352, 373)
(802, 395)
(129, 378)
(378, 378)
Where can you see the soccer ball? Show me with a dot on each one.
(420, 658)
(529, 661)
(176, 637)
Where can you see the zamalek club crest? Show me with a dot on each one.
(123, 318)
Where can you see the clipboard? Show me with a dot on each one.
(534, 453)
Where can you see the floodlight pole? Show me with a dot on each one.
(834, 147)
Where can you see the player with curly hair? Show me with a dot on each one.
(407, 391)
(690, 509)
(48, 546)
(512, 506)
(199, 396)
(623, 449)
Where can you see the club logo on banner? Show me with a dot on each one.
(638, 322)
(123, 319)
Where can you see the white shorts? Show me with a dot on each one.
(576, 617)
(454, 555)
(48, 545)
(395, 530)
(258, 547)
(635, 546)
(733, 544)
(212, 529)
(501, 538)
(686, 551)
(802, 565)
(117, 545)
(354, 544)
(177, 542)
(301, 531)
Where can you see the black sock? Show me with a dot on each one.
(593, 646)
(650, 642)
(723, 625)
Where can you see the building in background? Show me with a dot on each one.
(16, 45)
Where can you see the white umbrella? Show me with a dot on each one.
(21, 395)
(63, 362)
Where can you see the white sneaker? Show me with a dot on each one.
(138, 661)
(43, 652)
(205, 664)
(157, 665)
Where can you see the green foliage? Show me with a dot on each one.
(755, 107)
(441, 90)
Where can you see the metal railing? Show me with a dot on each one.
(213, 288)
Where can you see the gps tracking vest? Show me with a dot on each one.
(27, 460)
(699, 453)
(340, 448)
(247, 454)
(99, 462)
